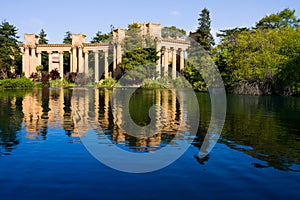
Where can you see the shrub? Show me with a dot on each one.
(16, 83)
(81, 79)
(71, 77)
(34, 76)
(39, 68)
(45, 80)
(109, 82)
(54, 74)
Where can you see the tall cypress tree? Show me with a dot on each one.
(9, 50)
(43, 40)
(67, 64)
(203, 35)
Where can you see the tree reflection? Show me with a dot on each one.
(11, 116)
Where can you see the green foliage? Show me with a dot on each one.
(173, 32)
(9, 50)
(43, 40)
(107, 83)
(166, 82)
(39, 68)
(100, 37)
(42, 37)
(264, 60)
(133, 39)
(16, 83)
(137, 58)
(284, 19)
(68, 38)
(60, 84)
(203, 35)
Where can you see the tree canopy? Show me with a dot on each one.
(284, 19)
(9, 50)
(203, 33)
(68, 38)
(173, 32)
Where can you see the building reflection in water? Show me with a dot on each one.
(41, 112)
(93, 109)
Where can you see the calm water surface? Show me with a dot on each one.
(42, 156)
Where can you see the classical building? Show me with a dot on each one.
(171, 51)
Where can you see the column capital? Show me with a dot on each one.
(86, 51)
(38, 52)
(49, 52)
(61, 52)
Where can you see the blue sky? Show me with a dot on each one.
(90, 16)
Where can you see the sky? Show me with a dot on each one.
(89, 16)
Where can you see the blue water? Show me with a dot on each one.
(56, 165)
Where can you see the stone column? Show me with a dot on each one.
(181, 60)
(80, 60)
(33, 62)
(26, 62)
(96, 66)
(50, 60)
(166, 62)
(86, 62)
(158, 64)
(61, 64)
(106, 64)
(114, 61)
(74, 58)
(119, 54)
(174, 55)
(71, 61)
(39, 53)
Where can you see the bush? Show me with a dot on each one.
(45, 80)
(109, 82)
(34, 76)
(152, 84)
(54, 74)
(16, 83)
(71, 77)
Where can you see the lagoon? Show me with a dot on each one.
(42, 155)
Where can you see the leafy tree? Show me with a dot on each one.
(285, 18)
(138, 52)
(173, 32)
(9, 50)
(203, 35)
(138, 57)
(100, 37)
(43, 40)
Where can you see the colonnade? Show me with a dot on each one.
(169, 50)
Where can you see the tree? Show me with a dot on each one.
(133, 39)
(68, 38)
(99, 37)
(285, 18)
(173, 32)
(203, 35)
(9, 50)
(42, 37)
(43, 40)
(138, 52)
